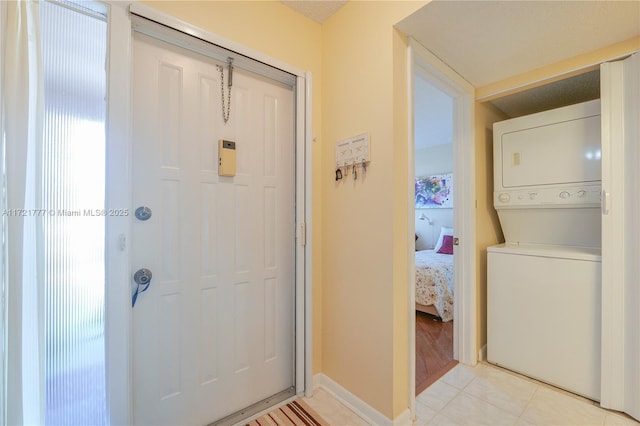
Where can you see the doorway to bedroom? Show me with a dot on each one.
(434, 218)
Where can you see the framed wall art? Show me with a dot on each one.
(435, 191)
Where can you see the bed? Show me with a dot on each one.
(434, 283)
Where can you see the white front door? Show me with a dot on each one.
(214, 332)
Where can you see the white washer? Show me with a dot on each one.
(543, 314)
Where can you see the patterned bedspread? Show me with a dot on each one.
(434, 281)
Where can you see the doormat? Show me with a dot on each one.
(295, 413)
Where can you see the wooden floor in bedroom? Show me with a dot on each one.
(434, 350)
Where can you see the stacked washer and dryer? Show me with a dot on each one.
(544, 282)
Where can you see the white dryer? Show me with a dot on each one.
(547, 183)
(543, 284)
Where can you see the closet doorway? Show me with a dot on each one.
(433, 214)
(448, 95)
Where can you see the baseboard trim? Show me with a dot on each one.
(358, 406)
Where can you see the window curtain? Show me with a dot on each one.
(22, 227)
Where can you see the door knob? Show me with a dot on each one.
(142, 277)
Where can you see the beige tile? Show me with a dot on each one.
(523, 422)
(616, 419)
(325, 404)
(503, 390)
(550, 407)
(424, 413)
(459, 376)
(484, 369)
(442, 420)
(468, 410)
(483, 366)
(484, 401)
(437, 395)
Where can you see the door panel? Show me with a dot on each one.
(620, 91)
(214, 331)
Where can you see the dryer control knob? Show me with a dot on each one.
(504, 197)
(565, 194)
(582, 193)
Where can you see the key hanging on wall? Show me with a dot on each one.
(351, 153)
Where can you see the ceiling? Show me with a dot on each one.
(488, 41)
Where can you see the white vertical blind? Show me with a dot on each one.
(73, 182)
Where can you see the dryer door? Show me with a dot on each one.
(559, 153)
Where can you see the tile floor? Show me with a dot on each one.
(486, 395)
(332, 411)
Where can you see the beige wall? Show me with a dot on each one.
(274, 29)
(488, 231)
(434, 160)
(365, 223)
(400, 217)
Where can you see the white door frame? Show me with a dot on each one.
(118, 229)
(3, 348)
(465, 309)
(119, 192)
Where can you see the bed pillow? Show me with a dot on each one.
(447, 245)
(445, 230)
